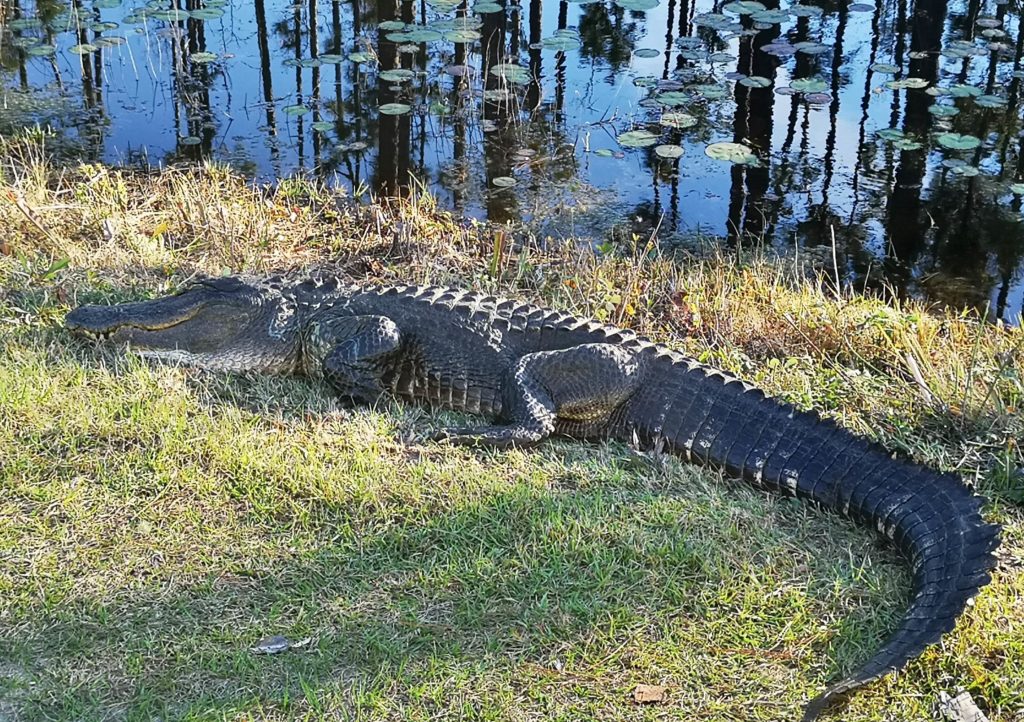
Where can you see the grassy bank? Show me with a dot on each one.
(157, 522)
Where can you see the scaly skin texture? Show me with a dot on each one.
(536, 372)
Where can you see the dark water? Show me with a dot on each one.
(893, 128)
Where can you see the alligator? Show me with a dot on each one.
(534, 372)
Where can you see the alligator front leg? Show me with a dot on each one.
(572, 391)
(353, 353)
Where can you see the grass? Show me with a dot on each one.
(157, 522)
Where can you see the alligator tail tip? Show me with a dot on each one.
(821, 703)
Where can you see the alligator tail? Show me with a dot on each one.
(932, 518)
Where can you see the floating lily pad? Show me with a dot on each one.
(323, 126)
(637, 139)
(755, 81)
(861, 8)
(462, 36)
(109, 41)
(918, 54)
(41, 50)
(439, 108)
(808, 85)
(640, 5)
(207, 13)
(722, 57)
(484, 8)
(83, 49)
(968, 171)
(172, 15)
(670, 151)
(647, 53)
(672, 97)
(397, 75)
(907, 84)
(891, 134)
(355, 58)
(295, 110)
(389, 25)
(990, 101)
(511, 73)
(964, 91)
(606, 153)
(743, 7)
(106, 4)
(885, 68)
(809, 48)
(767, 18)
(779, 49)
(202, 57)
(943, 111)
(956, 141)
(560, 41)
(497, 95)
(818, 98)
(504, 181)
(25, 24)
(677, 120)
(689, 43)
(1017, 189)
(422, 35)
(907, 144)
(805, 11)
(190, 140)
(394, 108)
(711, 92)
(731, 152)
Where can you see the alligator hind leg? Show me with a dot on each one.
(353, 353)
(547, 391)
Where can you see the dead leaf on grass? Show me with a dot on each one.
(649, 694)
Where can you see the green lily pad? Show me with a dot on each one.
(891, 134)
(109, 41)
(637, 139)
(359, 57)
(990, 101)
(956, 141)
(743, 7)
(462, 36)
(203, 57)
(394, 108)
(805, 11)
(677, 120)
(25, 24)
(672, 97)
(483, 8)
(731, 152)
(711, 92)
(907, 84)
(295, 110)
(810, 48)
(398, 75)
(422, 35)
(907, 144)
(961, 90)
(190, 140)
(106, 4)
(172, 15)
(1017, 189)
(560, 41)
(607, 153)
(389, 25)
(511, 73)
(639, 5)
(670, 151)
(207, 13)
(808, 85)
(647, 53)
(41, 50)
(755, 81)
(885, 68)
(943, 111)
(771, 17)
(504, 181)
(83, 49)
(323, 126)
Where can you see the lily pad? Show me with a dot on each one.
(1017, 189)
(394, 108)
(808, 85)
(731, 152)
(504, 181)
(484, 8)
(109, 41)
(41, 50)
(943, 111)
(511, 73)
(805, 11)
(755, 81)
(190, 140)
(990, 101)
(907, 144)
(891, 134)
(961, 90)
(885, 68)
(295, 110)
(83, 49)
(206, 13)
(561, 42)
(677, 120)
(646, 53)
(709, 91)
(743, 7)
(462, 36)
(640, 5)
(323, 126)
(810, 48)
(637, 139)
(670, 151)
(397, 75)
(389, 25)
(203, 57)
(956, 141)
(907, 84)
(672, 98)
(767, 18)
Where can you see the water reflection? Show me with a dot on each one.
(891, 130)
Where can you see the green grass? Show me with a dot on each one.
(156, 522)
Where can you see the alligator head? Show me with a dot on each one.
(221, 323)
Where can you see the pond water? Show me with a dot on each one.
(890, 131)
